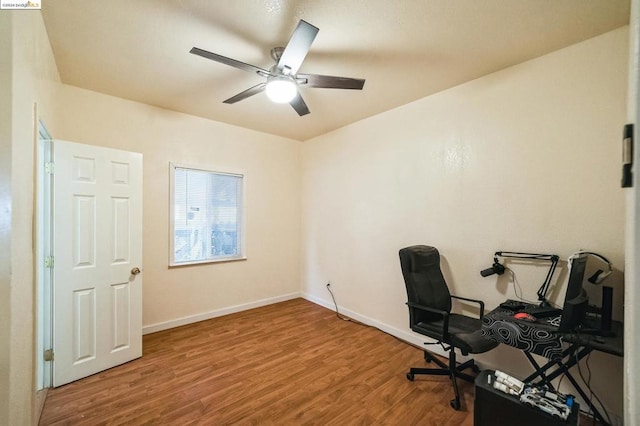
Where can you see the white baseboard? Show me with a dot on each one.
(152, 328)
(406, 335)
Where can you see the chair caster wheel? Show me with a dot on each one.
(455, 404)
(410, 377)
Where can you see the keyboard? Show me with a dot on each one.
(512, 305)
(542, 311)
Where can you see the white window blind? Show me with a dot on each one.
(206, 216)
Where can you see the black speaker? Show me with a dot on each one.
(607, 308)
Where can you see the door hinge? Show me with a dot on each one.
(48, 262)
(48, 355)
(49, 167)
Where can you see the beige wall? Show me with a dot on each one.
(525, 159)
(271, 167)
(30, 76)
(5, 213)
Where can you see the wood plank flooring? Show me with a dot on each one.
(291, 363)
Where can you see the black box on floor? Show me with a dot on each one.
(493, 407)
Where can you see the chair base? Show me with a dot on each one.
(452, 370)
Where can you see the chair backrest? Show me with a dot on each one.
(424, 281)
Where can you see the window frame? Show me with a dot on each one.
(172, 229)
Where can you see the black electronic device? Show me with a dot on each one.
(542, 311)
(606, 311)
(493, 407)
(512, 305)
(578, 265)
(576, 301)
(496, 268)
(574, 312)
(627, 156)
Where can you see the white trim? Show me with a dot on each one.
(153, 328)
(44, 320)
(408, 336)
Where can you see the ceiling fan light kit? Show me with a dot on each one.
(281, 89)
(283, 78)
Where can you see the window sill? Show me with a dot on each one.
(207, 262)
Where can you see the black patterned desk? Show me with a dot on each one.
(563, 351)
(540, 337)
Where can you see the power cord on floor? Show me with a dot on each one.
(336, 307)
(592, 394)
(343, 318)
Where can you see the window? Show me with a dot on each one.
(206, 216)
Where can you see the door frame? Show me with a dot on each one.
(631, 385)
(44, 311)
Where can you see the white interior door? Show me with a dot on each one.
(97, 246)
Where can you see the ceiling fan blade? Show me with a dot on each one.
(298, 47)
(244, 95)
(330, 82)
(228, 61)
(298, 104)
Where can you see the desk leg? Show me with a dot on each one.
(539, 371)
(584, 396)
(567, 354)
(563, 368)
(570, 362)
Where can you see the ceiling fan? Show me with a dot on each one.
(282, 79)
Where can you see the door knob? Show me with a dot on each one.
(135, 271)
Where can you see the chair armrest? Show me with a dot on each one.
(479, 302)
(445, 316)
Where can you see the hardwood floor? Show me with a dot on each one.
(291, 363)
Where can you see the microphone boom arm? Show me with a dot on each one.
(553, 258)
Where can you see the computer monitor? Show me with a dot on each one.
(576, 300)
(576, 276)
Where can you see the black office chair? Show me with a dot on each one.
(430, 314)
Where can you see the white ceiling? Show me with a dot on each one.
(405, 49)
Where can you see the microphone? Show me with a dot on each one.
(496, 268)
